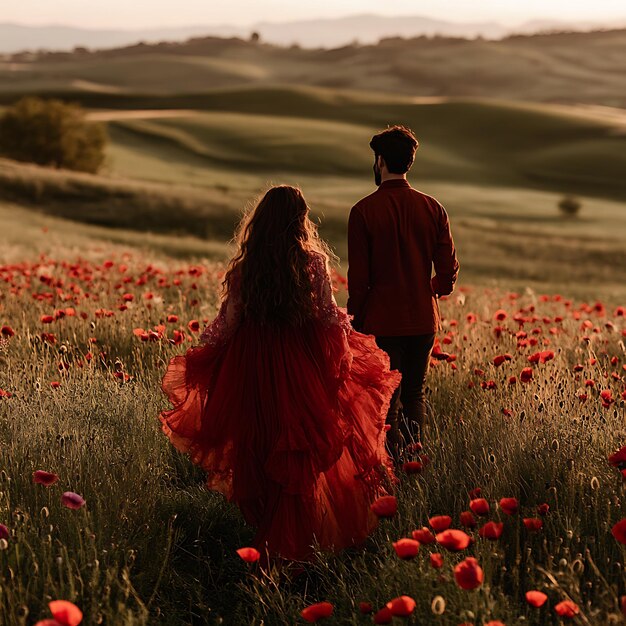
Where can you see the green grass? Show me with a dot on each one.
(153, 548)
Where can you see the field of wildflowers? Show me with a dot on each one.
(511, 513)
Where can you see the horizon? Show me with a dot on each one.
(98, 16)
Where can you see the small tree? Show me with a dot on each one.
(255, 37)
(52, 133)
(570, 206)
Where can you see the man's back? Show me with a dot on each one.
(395, 235)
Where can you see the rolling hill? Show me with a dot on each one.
(566, 68)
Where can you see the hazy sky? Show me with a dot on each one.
(142, 14)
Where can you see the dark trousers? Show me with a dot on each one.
(407, 411)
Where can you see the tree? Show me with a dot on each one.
(255, 37)
(53, 133)
(570, 206)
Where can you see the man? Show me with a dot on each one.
(395, 237)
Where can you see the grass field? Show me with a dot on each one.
(80, 399)
(110, 257)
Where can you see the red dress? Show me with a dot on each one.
(287, 422)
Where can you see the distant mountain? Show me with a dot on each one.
(322, 33)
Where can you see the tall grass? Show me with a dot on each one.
(152, 546)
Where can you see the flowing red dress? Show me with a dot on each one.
(288, 422)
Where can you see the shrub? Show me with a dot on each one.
(570, 206)
(53, 133)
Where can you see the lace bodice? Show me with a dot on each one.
(324, 306)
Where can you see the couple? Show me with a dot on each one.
(284, 401)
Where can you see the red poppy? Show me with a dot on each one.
(316, 612)
(47, 319)
(436, 560)
(467, 519)
(622, 604)
(526, 375)
(543, 509)
(402, 606)
(412, 467)
(41, 477)
(366, 608)
(491, 530)
(500, 359)
(439, 523)
(385, 506)
(72, 500)
(475, 493)
(423, 535)
(619, 531)
(172, 319)
(495, 622)
(384, 616)
(533, 524)
(567, 608)
(536, 598)
(249, 555)
(500, 315)
(65, 612)
(453, 540)
(4, 532)
(509, 506)
(194, 326)
(479, 506)
(406, 548)
(468, 574)
(512, 380)
(7, 331)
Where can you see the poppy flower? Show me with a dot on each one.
(65, 612)
(536, 598)
(249, 555)
(501, 358)
(566, 608)
(72, 500)
(495, 622)
(47, 319)
(402, 606)
(384, 616)
(453, 540)
(543, 509)
(4, 532)
(194, 326)
(467, 519)
(491, 530)
(406, 548)
(41, 477)
(423, 535)
(622, 604)
(526, 375)
(479, 506)
(500, 315)
(7, 331)
(509, 506)
(533, 524)
(172, 319)
(475, 493)
(316, 612)
(385, 506)
(439, 523)
(366, 608)
(619, 531)
(412, 467)
(468, 574)
(436, 560)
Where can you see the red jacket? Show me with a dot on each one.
(395, 237)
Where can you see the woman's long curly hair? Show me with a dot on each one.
(275, 241)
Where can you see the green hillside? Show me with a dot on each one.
(568, 68)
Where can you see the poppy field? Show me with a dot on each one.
(511, 513)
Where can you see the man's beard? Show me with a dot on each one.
(378, 179)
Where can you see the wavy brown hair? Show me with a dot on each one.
(275, 241)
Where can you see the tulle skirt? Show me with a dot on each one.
(288, 423)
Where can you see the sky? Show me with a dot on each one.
(133, 14)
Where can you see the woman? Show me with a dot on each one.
(282, 403)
